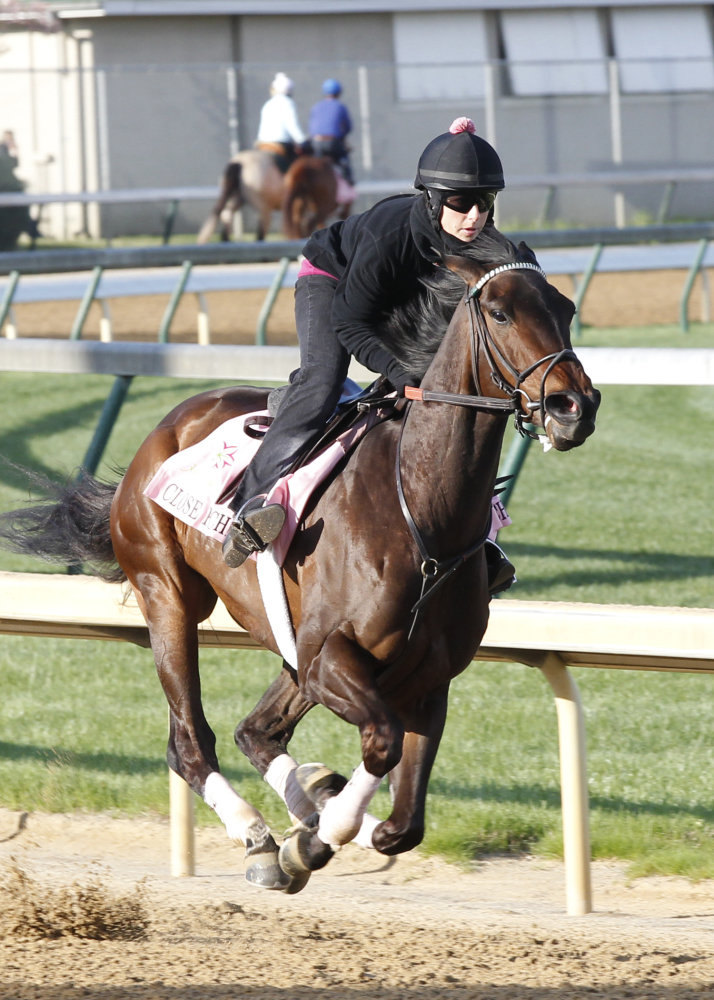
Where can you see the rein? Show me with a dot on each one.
(435, 573)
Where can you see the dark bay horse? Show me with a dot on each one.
(306, 196)
(313, 193)
(403, 517)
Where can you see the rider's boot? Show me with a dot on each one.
(254, 527)
(501, 571)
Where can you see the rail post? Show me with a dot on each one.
(174, 301)
(583, 287)
(107, 419)
(7, 298)
(88, 298)
(689, 284)
(267, 308)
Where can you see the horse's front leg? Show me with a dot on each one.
(404, 828)
(342, 678)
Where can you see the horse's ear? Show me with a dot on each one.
(526, 254)
(459, 265)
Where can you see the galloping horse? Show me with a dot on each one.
(252, 178)
(386, 578)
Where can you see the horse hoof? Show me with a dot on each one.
(297, 883)
(303, 853)
(319, 783)
(263, 866)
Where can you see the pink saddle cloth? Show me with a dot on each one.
(197, 484)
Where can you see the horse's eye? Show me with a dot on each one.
(498, 316)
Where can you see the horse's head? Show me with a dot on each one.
(520, 329)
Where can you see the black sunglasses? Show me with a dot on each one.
(463, 203)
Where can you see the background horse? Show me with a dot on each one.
(252, 178)
(314, 191)
(370, 646)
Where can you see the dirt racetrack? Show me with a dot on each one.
(89, 909)
(365, 927)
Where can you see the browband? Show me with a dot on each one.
(515, 266)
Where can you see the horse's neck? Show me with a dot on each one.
(449, 462)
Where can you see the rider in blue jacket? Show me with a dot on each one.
(354, 273)
(329, 125)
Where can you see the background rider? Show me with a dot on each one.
(329, 125)
(279, 131)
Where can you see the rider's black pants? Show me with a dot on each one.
(314, 391)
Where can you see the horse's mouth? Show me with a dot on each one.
(570, 418)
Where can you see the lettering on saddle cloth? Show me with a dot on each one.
(196, 484)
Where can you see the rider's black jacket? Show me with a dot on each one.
(378, 258)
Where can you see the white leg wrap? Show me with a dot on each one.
(235, 813)
(281, 778)
(341, 819)
(364, 837)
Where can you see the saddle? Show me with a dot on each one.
(354, 403)
(283, 155)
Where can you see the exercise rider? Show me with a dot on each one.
(354, 273)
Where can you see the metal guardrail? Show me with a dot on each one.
(170, 255)
(64, 259)
(693, 238)
(617, 178)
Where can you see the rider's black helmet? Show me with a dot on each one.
(459, 159)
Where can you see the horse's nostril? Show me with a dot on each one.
(563, 406)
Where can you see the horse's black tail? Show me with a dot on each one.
(230, 189)
(232, 180)
(70, 525)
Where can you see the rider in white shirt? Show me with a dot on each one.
(279, 131)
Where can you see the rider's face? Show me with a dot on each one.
(464, 213)
(465, 226)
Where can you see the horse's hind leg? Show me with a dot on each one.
(174, 599)
(226, 218)
(191, 749)
(263, 737)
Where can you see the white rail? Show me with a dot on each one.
(605, 365)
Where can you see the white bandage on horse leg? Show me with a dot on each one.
(235, 813)
(341, 819)
(281, 778)
(364, 836)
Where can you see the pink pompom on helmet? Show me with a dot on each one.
(459, 159)
(462, 124)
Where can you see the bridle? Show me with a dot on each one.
(518, 401)
(436, 572)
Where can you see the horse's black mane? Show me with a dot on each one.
(415, 330)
